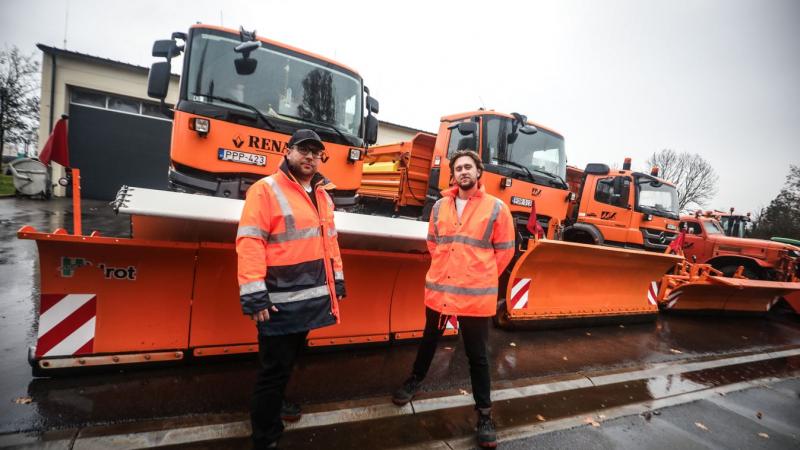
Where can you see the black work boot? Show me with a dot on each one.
(407, 392)
(291, 412)
(487, 437)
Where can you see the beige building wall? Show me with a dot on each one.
(84, 73)
(389, 133)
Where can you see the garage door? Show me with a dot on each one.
(117, 141)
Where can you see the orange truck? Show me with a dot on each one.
(622, 208)
(707, 243)
(550, 282)
(241, 98)
(524, 162)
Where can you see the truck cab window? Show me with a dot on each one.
(613, 191)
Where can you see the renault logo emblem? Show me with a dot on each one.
(237, 141)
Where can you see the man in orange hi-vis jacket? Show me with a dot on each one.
(471, 241)
(290, 274)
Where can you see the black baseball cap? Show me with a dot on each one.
(305, 135)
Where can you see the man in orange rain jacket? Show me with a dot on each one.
(290, 274)
(471, 241)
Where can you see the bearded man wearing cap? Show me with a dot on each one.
(290, 274)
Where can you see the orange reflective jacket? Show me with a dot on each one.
(289, 254)
(467, 255)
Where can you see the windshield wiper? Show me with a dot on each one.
(321, 124)
(515, 164)
(238, 103)
(553, 175)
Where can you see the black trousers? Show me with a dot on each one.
(276, 355)
(475, 334)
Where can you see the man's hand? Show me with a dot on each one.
(263, 315)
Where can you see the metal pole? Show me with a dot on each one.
(2, 120)
(77, 229)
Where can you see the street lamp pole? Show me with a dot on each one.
(3, 94)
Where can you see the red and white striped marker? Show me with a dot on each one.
(672, 298)
(652, 293)
(66, 324)
(519, 293)
(452, 323)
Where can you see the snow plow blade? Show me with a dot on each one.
(555, 282)
(713, 293)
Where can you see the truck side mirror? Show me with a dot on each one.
(246, 65)
(158, 80)
(371, 130)
(372, 105)
(467, 128)
(166, 48)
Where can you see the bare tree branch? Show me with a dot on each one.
(693, 176)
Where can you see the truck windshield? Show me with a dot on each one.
(654, 195)
(285, 84)
(712, 227)
(542, 152)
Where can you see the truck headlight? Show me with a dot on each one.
(354, 155)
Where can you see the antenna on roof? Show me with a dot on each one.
(482, 105)
(66, 21)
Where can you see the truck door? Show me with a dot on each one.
(609, 209)
(695, 240)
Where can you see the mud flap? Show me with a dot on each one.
(106, 296)
(556, 280)
(716, 293)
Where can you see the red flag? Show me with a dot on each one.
(57, 148)
(533, 224)
(676, 246)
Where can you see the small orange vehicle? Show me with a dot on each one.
(621, 208)
(707, 243)
(241, 98)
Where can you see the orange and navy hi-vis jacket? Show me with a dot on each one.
(289, 255)
(467, 255)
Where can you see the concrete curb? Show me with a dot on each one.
(93, 437)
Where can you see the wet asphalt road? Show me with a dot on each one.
(224, 387)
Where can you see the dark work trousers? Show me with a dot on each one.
(475, 334)
(276, 355)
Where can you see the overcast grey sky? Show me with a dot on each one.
(618, 78)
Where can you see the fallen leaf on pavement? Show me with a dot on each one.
(764, 435)
(701, 426)
(601, 416)
(540, 418)
(622, 326)
(513, 344)
(463, 392)
(565, 358)
(588, 334)
(591, 422)
(448, 348)
(676, 351)
(22, 400)
(759, 415)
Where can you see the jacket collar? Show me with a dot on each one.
(317, 180)
(452, 191)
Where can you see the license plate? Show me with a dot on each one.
(241, 157)
(522, 201)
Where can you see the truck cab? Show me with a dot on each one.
(622, 208)
(706, 242)
(241, 98)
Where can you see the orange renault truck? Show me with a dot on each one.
(621, 208)
(241, 98)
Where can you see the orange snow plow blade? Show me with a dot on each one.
(101, 296)
(557, 281)
(699, 287)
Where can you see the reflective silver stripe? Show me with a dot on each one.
(487, 234)
(252, 287)
(432, 238)
(331, 232)
(463, 240)
(460, 290)
(254, 232)
(305, 294)
(435, 216)
(338, 275)
(286, 209)
(503, 245)
(294, 235)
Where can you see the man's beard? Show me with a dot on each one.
(467, 184)
(297, 170)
